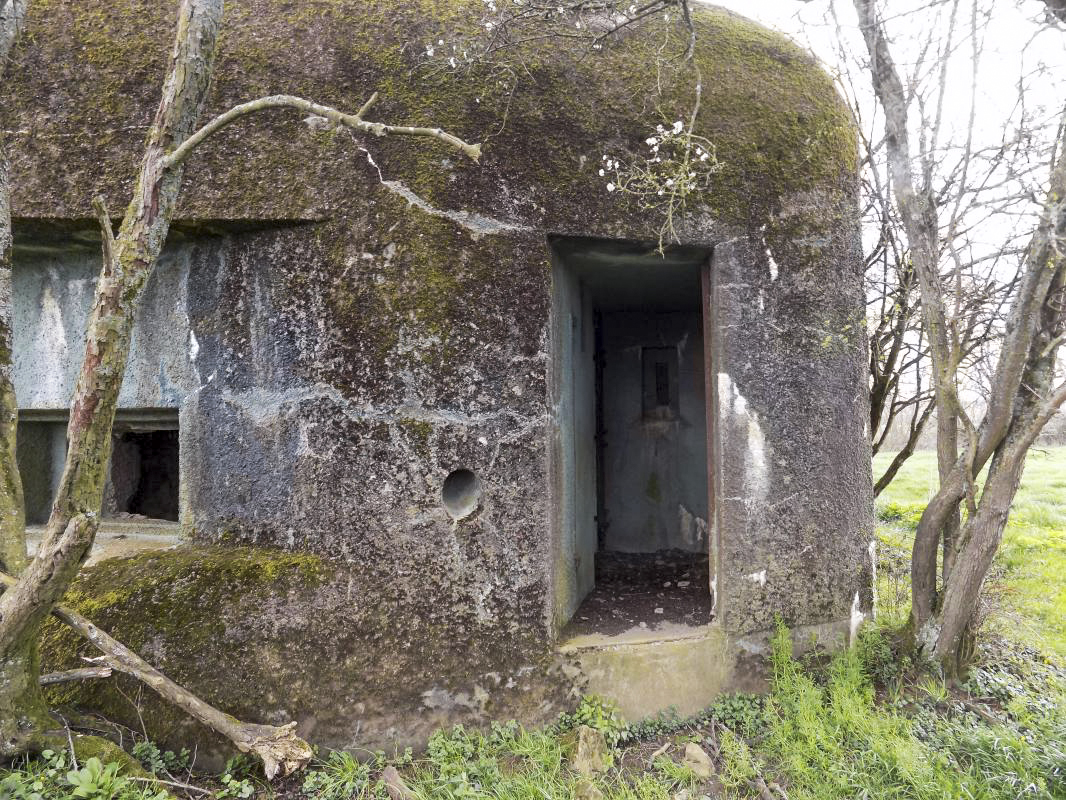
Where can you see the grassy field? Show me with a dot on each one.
(1026, 593)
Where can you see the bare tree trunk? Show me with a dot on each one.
(24, 720)
(128, 261)
(918, 211)
(22, 708)
(1021, 400)
(1036, 402)
(12, 509)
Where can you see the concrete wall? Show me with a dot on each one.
(42, 446)
(655, 461)
(574, 409)
(53, 295)
(793, 523)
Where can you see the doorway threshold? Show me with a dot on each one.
(677, 668)
(570, 642)
(640, 594)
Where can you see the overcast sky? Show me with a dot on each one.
(1015, 48)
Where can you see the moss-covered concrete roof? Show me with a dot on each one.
(87, 76)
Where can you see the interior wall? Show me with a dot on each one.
(40, 452)
(574, 398)
(655, 459)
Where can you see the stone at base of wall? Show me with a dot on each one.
(271, 637)
(684, 668)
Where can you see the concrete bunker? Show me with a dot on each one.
(338, 335)
(630, 379)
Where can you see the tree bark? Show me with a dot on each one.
(12, 509)
(1036, 402)
(917, 209)
(72, 526)
(24, 720)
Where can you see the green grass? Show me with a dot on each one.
(1026, 591)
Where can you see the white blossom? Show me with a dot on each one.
(679, 126)
(610, 187)
(602, 173)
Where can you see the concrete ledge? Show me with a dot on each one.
(120, 538)
(648, 671)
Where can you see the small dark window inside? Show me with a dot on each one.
(144, 474)
(660, 382)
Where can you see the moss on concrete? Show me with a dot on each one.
(773, 114)
(188, 597)
(270, 636)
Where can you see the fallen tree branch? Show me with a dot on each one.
(280, 749)
(188, 787)
(75, 675)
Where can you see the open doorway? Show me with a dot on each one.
(143, 476)
(630, 386)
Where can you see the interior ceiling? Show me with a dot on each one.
(634, 275)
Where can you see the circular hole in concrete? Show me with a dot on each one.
(461, 493)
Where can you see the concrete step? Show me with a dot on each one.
(121, 538)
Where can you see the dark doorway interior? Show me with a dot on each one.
(143, 478)
(40, 451)
(144, 475)
(632, 383)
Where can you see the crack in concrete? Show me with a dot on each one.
(264, 405)
(477, 224)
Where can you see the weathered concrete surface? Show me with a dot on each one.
(648, 672)
(573, 445)
(120, 539)
(394, 325)
(53, 295)
(793, 521)
(276, 637)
